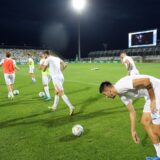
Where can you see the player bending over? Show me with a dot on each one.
(31, 67)
(137, 86)
(9, 66)
(54, 65)
(129, 64)
(45, 78)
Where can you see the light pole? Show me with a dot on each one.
(79, 6)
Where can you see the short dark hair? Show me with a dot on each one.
(103, 85)
(8, 54)
(46, 52)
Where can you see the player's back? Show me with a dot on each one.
(8, 65)
(54, 65)
(131, 61)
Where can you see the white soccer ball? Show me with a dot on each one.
(41, 94)
(77, 130)
(16, 92)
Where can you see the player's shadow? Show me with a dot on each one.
(78, 91)
(60, 121)
(88, 102)
(16, 102)
(18, 121)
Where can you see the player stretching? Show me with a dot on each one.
(9, 66)
(45, 78)
(31, 67)
(129, 63)
(54, 64)
(136, 86)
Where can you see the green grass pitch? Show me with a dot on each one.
(28, 131)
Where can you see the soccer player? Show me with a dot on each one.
(31, 67)
(54, 64)
(9, 66)
(137, 86)
(45, 78)
(129, 64)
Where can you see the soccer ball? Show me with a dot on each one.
(41, 94)
(16, 92)
(77, 130)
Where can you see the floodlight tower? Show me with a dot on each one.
(79, 6)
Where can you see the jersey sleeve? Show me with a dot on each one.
(126, 100)
(14, 62)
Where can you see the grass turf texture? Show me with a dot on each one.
(28, 131)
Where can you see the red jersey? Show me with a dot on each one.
(8, 65)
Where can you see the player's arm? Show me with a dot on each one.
(44, 67)
(63, 65)
(146, 83)
(128, 66)
(16, 67)
(132, 115)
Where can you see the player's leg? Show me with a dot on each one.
(8, 80)
(59, 88)
(45, 82)
(31, 73)
(156, 129)
(148, 126)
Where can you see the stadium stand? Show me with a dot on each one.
(147, 54)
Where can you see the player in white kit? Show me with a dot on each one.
(137, 86)
(54, 65)
(129, 64)
(45, 78)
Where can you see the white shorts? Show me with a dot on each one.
(58, 83)
(134, 72)
(9, 78)
(31, 70)
(148, 110)
(46, 79)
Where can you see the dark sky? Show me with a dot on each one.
(54, 22)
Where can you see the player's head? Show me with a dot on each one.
(46, 53)
(8, 54)
(122, 55)
(29, 55)
(107, 89)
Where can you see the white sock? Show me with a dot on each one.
(11, 94)
(33, 79)
(46, 89)
(56, 100)
(68, 103)
(157, 147)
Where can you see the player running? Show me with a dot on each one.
(137, 86)
(45, 78)
(129, 64)
(31, 67)
(9, 66)
(54, 65)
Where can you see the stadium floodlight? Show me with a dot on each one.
(79, 6)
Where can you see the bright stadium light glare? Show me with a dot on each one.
(79, 5)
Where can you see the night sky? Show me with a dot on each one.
(53, 23)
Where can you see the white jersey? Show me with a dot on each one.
(133, 70)
(127, 92)
(54, 66)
